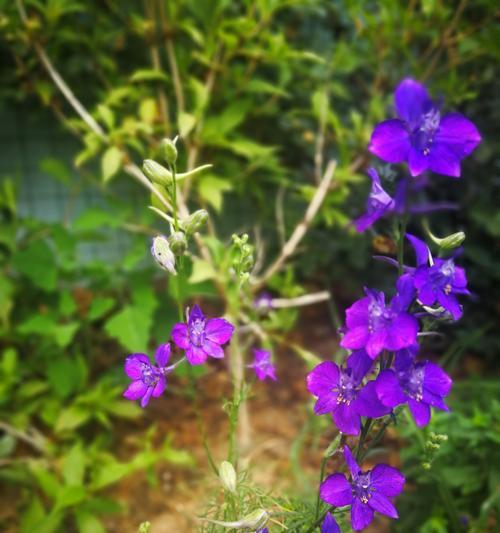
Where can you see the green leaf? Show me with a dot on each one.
(64, 333)
(64, 375)
(148, 110)
(186, 123)
(95, 218)
(69, 496)
(56, 169)
(107, 115)
(99, 307)
(73, 466)
(212, 189)
(202, 270)
(130, 327)
(219, 126)
(7, 445)
(111, 162)
(124, 409)
(148, 75)
(37, 324)
(71, 418)
(33, 514)
(88, 523)
(9, 362)
(37, 262)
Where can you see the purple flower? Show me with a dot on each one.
(421, 384)
(421, 136)
(379, 203)
(375, 326)
(340, 393)
(438, 280)
(148, 379)
(200, 337)
(366, 492)
(263, 366)
(330, 525)
(263, 302)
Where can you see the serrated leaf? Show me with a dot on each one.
(111, 162)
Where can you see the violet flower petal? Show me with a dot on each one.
(355, 338)
(360, 363)
(420, 411)
(218, 330)
(378, 502)
(336, 490)
(135, 390)
(134, 364)
(368, 404)
(388, 389)
(390, 141)
(347, 419)
(353, 466)
(213, 349)
(195, 355)
(146, 397)
(330, 525)
(436, 380)
(361, 515)
(421, 250)
(323, 378)
(387, 480)
(162, 354)
(412, 101)
(180, 335)
(160, 387)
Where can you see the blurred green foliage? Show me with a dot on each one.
(268, 91)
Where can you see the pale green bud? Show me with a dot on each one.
(162, 254)
(227, 475)
(145, 527)
(156, 172)
(169, 150)
(452, 241)
(178, 242)
(195, 221)
(426, 466)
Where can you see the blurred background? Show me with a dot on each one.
(267, 91)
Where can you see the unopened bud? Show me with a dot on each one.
(145, 527)
(178, 242)
(156, 172)
(169, 150)
(227, 476)
(426, 466)
(195, 221)
(447, 243)
(162, 254)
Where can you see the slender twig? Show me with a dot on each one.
(302, 227)
(36, 440)
(300, 301)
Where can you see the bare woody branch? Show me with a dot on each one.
(301, 229)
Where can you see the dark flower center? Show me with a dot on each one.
(361, 487)
(380, 316)
(347, 387)
(197, 332)
(149, 375)
(441, 275)
(412, 381)
(423, 135)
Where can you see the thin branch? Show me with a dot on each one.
(36, 440)
(302, 227)
(300, 301)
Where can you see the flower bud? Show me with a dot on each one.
(162, 254)
(169, 150)
(178, 242)
(195, 221)
(227, 476)
(144, 527)
(156, 172)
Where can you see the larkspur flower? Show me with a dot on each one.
(421, 136)
(421, 384)
(375, 326)
(366, 492)
(202, 337)
(378, 204)
(339, 392)
(147, 379)
(330, 525)
(438, 280)
(263, 302)
(262, 365)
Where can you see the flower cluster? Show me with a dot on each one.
(199, 338)
(383, 370)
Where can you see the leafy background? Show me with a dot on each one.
(267, 85)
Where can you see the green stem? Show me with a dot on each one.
(173, 170)
(362, 438)
(321, 474)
